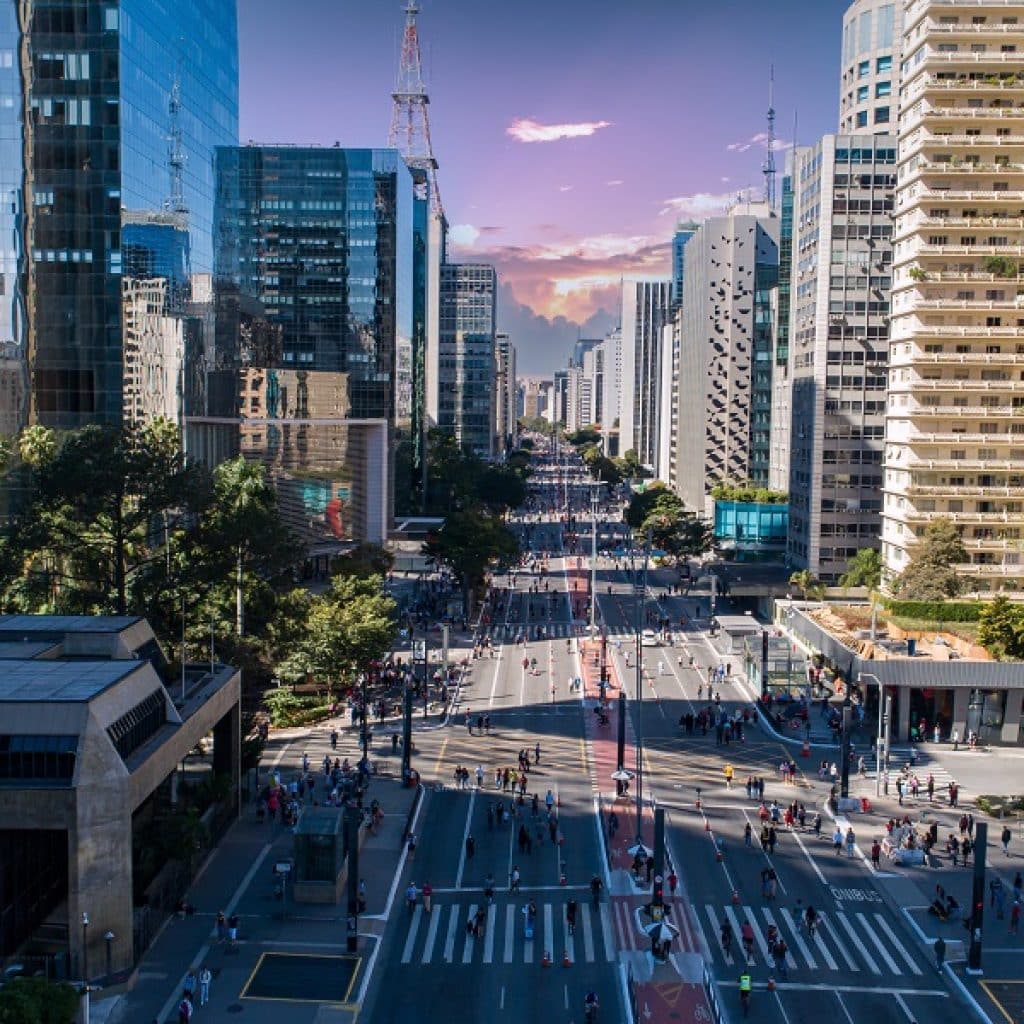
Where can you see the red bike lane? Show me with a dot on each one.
(675, 990)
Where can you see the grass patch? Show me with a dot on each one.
(859, 617)
(1001, 806)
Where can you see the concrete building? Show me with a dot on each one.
(869, 80)
(725, 353)
(645, 308)
(668, 398)
(839, 331)
(467, 405)
(558, 410)
(954, 440)
(683, 233)
(95, 731)
(611, 391)
(534, 398)
(506, 425)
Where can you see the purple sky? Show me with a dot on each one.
(672, 93)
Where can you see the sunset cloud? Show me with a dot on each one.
(760, 139)
(463, 235)
(524, 129)
(699, 205)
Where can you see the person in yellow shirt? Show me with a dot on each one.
(728, 772)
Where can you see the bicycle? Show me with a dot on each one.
(745, 1001)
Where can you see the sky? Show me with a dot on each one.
(572, 135)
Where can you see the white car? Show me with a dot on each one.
(648, 638)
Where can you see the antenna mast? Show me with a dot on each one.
(410, 123)
(768, 168)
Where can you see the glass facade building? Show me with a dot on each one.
(110, 111)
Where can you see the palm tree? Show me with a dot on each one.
(808, 584)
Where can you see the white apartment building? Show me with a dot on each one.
(611, 391)
(869, 81)
(955, 417)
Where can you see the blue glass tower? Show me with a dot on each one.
(106, 169)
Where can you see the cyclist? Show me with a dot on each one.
(590, 1005)
(489, 889)
(596, 885)
(726, 937)
(747, 936)
(811, 920)
(745, 987)
(570, 916)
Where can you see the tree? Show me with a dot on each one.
(364, 560)
(1001, 629)
(37, 1000)
(931, 575)
(352, 625)
(642, 503)
(629, 465)
(583, 436)
(500, 487)
(469, 541)
(808, 584)
(863, 570)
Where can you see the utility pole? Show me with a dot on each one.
(593, 558)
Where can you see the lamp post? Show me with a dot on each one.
(593, 555)
(640, 586)
(85, 947)
(108, 938)
(879, 753)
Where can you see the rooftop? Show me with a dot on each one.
(62, 682)
(46, 626)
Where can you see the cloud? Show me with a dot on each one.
(565, 188)
(463, 235)
(757, 140)
(699, 205)
(614, 182)
(524, 129)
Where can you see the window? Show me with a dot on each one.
(864, 69)
(38, 758)
(883, 64)
(862, 93)
(883, 89)
(862, 119)
(132, 729)
(881, 115)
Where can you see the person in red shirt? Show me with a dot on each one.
(673, 881)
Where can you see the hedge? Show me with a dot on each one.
(938, 611)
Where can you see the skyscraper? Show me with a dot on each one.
(724, 378)
(107, 151)
(954, 436)
(869, 80)
(505, 420)
(466, 403)
(645, 306)
(683, 233)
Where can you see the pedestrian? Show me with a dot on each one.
(191, 983)
(233, 929)
(184, 1010)
(780, 951)
(1015, 917)
(673, 881)
(205, 977)
(427, 893)
(899, 790)
(222, 926)
(361, 896)
(837, 841)
(1005, 838)
(940, 953)
(876, 854)
(513, 880)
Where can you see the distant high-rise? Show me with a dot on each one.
(645, 308)
(870, 77)
(724, 381)
(954, 443)
(466, 403)
(683, 233)
(113, 112)
(611, 390)
(505, 391)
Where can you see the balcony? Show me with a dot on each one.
(947, 331)
(989, 571)
(1012, 305)
(933, 56)
(980, 276)
(930, 138)
(915, 224)
(968, 113)
(968, 437)
(973, 411)
(962, 28)
(954, 195)
(930, 83)
(968, 250)
(966, 492)
(1009, 386)
(914, 462)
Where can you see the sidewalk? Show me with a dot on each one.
(238, 879)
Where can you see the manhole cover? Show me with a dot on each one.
(302, 977)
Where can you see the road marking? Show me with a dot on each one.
(810, 859)
(758, 937)
(588, 934)
(528, 943)
(906, 1009)
(417, 915)
(606, 932)
(428, 948)
(855, 939)
(805, 951)
(440, 758)
(911, 962)
(449, 939)
(737, 932)
(492, 922)
(881, 990)
(549, 931)
(465, 836)
(845, 1010)
(510, 931)
(717, 932)
(883, 952)
(823, 922)
(501, 1001)
(467, 948)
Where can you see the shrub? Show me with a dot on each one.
(937, 611)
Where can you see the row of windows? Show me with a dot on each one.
(38, 757)
(882, 89)
(134, 727)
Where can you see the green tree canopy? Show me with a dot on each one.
(1001, 629)
(808, 584)
(863, 570)
(930, 576)
(364, 560)
(583, 436)
(629, 465)
(36, 1000)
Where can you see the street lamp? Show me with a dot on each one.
(85, 947)
(593, 555)
(108, 938)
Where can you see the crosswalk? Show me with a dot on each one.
(441, 937)
(859, 942)
(922, 766)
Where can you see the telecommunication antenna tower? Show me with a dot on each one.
(768, 167)
(410, 123)
(175, 153)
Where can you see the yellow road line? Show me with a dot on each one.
(995, 999)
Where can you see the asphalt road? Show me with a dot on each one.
(862, 963)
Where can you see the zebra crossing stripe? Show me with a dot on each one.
(882, 951)
(467, 946)
(449, 939)
(417, 914)
(910, 961)
(549, 931)
(428, 946)
(606, 932)
(528, 943)
(492, 923)
(798, 939)
(826, 955)
(855, 939)
(588, 935)
(570, 939)
(823, 922)
(734, 921)
(758, 937)
(510, 931)
(790, 962)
